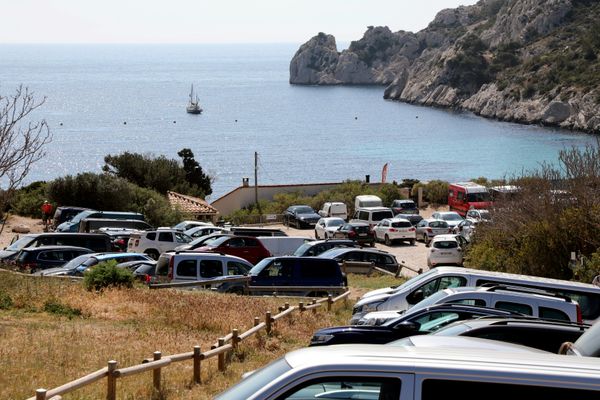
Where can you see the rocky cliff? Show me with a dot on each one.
(530, 61)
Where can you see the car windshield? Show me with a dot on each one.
(20, 243)
(76, 262)
(206, 239)
(82, 215)
(335, 222)
(257, 380)
(433, 299)
(478, 197)
(588, 344)
(217, 242)
(453, 330)
(259, 267)
(304, 210)
(408, 205)
(302, 249)
(182, 238)
(445, 244)
(484, 214)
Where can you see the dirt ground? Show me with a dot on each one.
(16, 221)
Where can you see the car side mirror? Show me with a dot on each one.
(416, 296)
(408, 326)
(564, 348)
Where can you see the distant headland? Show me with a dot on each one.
(527, 61)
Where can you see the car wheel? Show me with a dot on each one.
(153, 254)
(237, 290)
(426, 239)
(412, 242)
(388, 242)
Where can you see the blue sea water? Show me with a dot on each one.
(106, 99)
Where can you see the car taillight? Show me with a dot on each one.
(429, 230)
(351, 234)
(412, 229)
(171, 264)
(393, 230)
(147, 278)
(449, 230)
(29, 267)
(579, 316)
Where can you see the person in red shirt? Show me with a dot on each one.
(46, 213)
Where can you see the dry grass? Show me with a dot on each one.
(39, 349)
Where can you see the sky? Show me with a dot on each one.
(214, 21)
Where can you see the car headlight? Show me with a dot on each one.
(368, 307)
(321, 339)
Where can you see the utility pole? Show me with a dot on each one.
(256, 181)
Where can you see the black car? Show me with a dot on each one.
(360, 232)
(300, 217)
(541, 334)
(378, 258)
(404, 207)
(33, 259)
(316, 247)
(420, 322)
(94, 241)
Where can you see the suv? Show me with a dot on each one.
(379, 258)
(32, 259)
(534, 302)
(153, 243)
(319, 246)
(92, 241)
(450, 370)
(446, 250)
(357, 231)
(391, 230)
(428, 228)
(249, 248)
(194, 266)
(372, 215)
(404, 207)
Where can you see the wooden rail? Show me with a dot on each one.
(198, 283)
(158, 362)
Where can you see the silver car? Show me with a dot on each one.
(428, 228)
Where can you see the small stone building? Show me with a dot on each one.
(193, 207)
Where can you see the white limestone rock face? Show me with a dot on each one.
(315, 62)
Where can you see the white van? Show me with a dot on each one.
(372, 215)
(283, 245)
(334, 209)
(422, 286)
(466, 369)
(367, 200)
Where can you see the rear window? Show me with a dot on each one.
(361, 229)
(379, 215)
(402, 224)
(510, 306)
(552, 313)
(445, 244)
(438, 224)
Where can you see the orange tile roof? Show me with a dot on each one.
(191, 205)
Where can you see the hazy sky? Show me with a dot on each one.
(200, 21)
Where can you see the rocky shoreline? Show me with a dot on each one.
(498, 59)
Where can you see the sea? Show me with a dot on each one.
(108, 99)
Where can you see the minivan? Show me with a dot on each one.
(73, 225)
(466, 369)
(463, 196)
(309, 276)
(422, 286)
(334, 209)
(372, 215)
(367, 200)
(94, 224)
(96, 242)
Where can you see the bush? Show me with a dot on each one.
(434, 192)
(106, 274)
(6, 301)
(53, 306)
(28, 200)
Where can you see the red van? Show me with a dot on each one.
(463, 196)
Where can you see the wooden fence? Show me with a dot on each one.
(224, 345)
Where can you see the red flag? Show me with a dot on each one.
(384, 173)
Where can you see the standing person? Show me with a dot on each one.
(46, 214)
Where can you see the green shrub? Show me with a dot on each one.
(28, 200)
(106, 274)
(6, 301)
(434, 192)
(53, 306)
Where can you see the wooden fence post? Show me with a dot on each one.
(301, 306)
(268, 322)
(111, 381)
(314, 310)
(287, 305)
(221, 356)
(329, 302)
(256, 321)
(197, 365)
(156, 372)
(40, 394)
(235, 339)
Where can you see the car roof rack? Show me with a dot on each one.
(529, 319)
(492, 287)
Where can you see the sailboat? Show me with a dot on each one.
(193, 106)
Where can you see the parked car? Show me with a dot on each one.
(119, 237)
(587, 345)
(372, 215)
(78, 265)
(201, 241)
(73, 224)
(297, 276)
(317, 247)
(446, 250)
(253, 231)
(356, 231)
(198, 231)
(95, 224)
(247, 247)
(326, 227)
(65, 213)
(185, 225)
(300, 216)
(404, 207)
(155, 242)
(413, 218)
(395, 229)
(334, 209)
(479, 215)
(194, 266)
(466, 228)
(93, 241)
(379, 258)
(422, 322)
(428, 228)
(451, 217)
(406, 295)
(33, 259)
(430, 369)
(526, 301)
(463, 196)
(540, 334)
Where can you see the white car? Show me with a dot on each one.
(390, 230)
(326, 227)
(479, 215)
(451, 217)
(154, 243)
(445, 250)
(198, 231)
(466, 228)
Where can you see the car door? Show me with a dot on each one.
(380, 229)
(165, 241)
